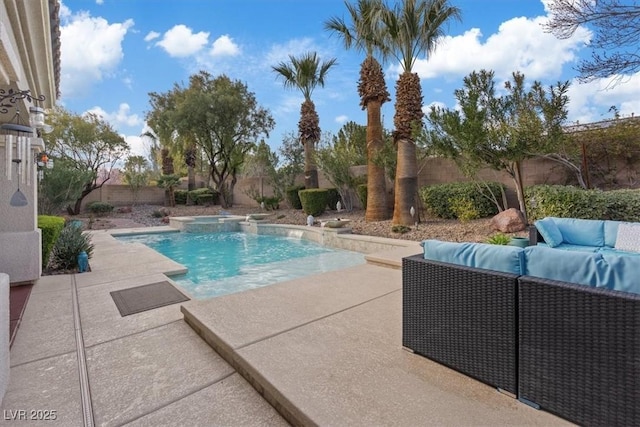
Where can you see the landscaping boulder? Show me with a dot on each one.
(509, 221)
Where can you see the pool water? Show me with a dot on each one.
(229, 262)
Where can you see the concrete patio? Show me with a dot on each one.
(322, 350)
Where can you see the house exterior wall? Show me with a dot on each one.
(29, 61)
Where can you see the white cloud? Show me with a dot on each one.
(280, 52)
(100, 2)
(180, 41)
(342, 119)
(91, 50)
(591, 101)
(224, 46)
(122, 117)
(519, 45)
(151, 36)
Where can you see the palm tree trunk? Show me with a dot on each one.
(310, 168)
(406, 185)
(376, 209)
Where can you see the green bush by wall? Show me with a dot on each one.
(51, 227)
(565, 201)
(100, 208)
(461, 200)
(292, 196)
(314, 200)
(204, 196)
(180, 196)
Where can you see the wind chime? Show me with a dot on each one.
(17, 138)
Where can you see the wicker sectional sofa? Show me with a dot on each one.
(571, 349)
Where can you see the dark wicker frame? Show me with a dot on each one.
(579, 351)
(462, 317)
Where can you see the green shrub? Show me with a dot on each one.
(399, 228)
(100, 208)
(566, 201)
(205, 200)
(463, 209)
(623, 205)
(51, 227)
(448, 200)
(314, 200)
(333, 197)
(361, 191)
(293, 197)
(70, 243)
(270, 203)
(499, 239)
(204, 196)
(181, 196)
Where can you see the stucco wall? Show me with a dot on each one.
(20, 255)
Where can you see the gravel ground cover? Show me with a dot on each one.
(429, 228)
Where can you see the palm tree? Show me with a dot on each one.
(305, 73)
(373, 93)
(409, 29)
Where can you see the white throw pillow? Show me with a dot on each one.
(628, 238)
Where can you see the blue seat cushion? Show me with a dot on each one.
(569, 247)
(549, 231)
(504, 258)
(608, 270)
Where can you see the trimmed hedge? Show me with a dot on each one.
(292, 196)
(51, 227)
(180, 196)
(100, 208)
(204, 196)
(460, 200)
(566, 201)
(314, 200)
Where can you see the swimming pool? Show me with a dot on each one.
(228, 262)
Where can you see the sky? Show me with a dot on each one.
(115, 52)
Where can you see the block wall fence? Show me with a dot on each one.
(434, 170)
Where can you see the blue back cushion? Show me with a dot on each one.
(549, 231)
(611, 233)
(507, 259)
(586, 232)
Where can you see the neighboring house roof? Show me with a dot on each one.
(603, 124)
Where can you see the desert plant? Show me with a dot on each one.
(401, 229)
(499, 239)
(100, 208)
(464, 209)
(70, 243)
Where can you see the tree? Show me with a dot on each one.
(373, 93)
(292, 163)
(306, 73)
(136, 174)
(500, 131)
(60, 186)
(89, 144)
(223, 120)
(335, 160)
(616, 27)
(406, 31)
(261, 163)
